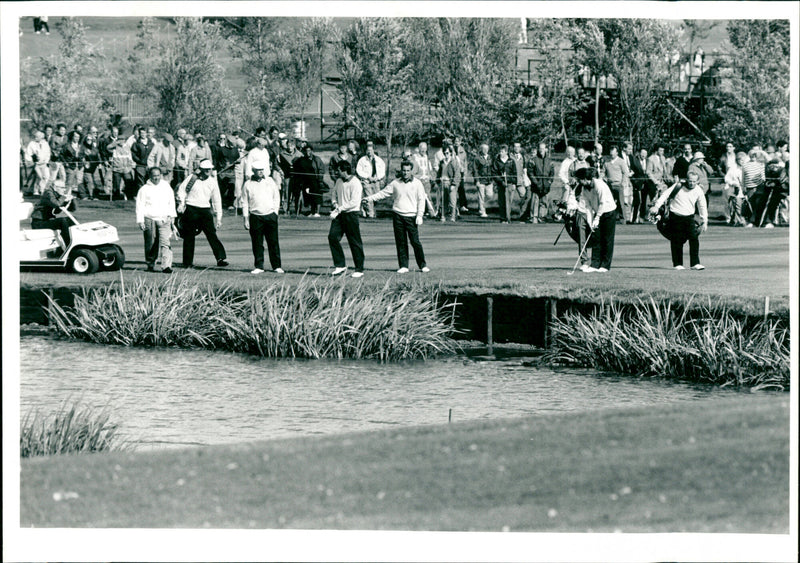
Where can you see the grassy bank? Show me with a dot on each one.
(72, 429)
(719, 465)
(315, 318)
(695, 343)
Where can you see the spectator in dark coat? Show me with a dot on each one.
(308, 172)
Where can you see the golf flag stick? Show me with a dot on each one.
(575, 267)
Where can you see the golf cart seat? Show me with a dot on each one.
(37, 234)
(25, 210)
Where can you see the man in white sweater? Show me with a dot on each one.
(682, 226)
(408, 205)
(261, 200)
(346, 203)
(155, 215)
(601, 215)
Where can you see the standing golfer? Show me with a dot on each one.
(346, 203)
(575, 218)
(155, 215)
(197, 196)
(682, 225)
(261, 200)
(408, 205)
(601, 215)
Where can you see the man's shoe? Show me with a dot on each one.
(463, 209)
(769, 226)
(151, 269)
(356, 274)
(222, 263)
(748, 226)
(484, 215)
(679, 267)
(602, 270)
(337, 271)
(167, 270)
(425, 269)
(452, 219)
(589, 269)
(585, 268)
(402, 270)
(698, 267)
(315, 215)
(279, 271)
(256, 271)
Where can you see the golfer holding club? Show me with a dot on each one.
(575, 220)
(601, 216)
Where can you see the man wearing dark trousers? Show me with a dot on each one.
(346, 203)
(601, 215)
(197, 196)
(640, 190)
(408, 205)
(261, 201)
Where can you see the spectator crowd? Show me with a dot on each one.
(115, 166)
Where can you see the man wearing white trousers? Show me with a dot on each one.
(155, 215)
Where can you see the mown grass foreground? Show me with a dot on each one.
(74, 428)
(696, 343)
(718, 465)
(310, 319)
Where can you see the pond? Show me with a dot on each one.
(168, 397)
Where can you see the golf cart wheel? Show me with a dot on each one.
(84, 261)
(112, 259)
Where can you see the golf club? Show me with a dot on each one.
(575, 267)
(564, 226)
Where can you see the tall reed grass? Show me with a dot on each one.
(702, 343)
(72, 429)
(311, 319)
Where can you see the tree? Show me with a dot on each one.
(551, 108)
(753, 105)
(462, 66)
(187, 82)
(640, 66)
(631, 54)
(375, 77)
(301, 58)
(56, 88)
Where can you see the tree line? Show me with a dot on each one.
(407, 78)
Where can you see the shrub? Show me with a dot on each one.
(704, 344)
(311, 319)
(72, 429)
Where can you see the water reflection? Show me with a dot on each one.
(164, 396)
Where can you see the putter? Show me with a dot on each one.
(575, 267)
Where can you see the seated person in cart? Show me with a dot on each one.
(55, 197)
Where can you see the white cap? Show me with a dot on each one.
(259, 165)
(206, 164)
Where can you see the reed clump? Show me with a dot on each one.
(701, 343)
(74, 428)
(310, 319)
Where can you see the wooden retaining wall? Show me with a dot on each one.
(483, 318)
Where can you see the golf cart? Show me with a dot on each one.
(91, 246)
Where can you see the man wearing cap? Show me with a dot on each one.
(197, 196)
(346, 204)
(49, 205)
(700, 167)
(261, 200)
(155, 215)
(372, 171)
